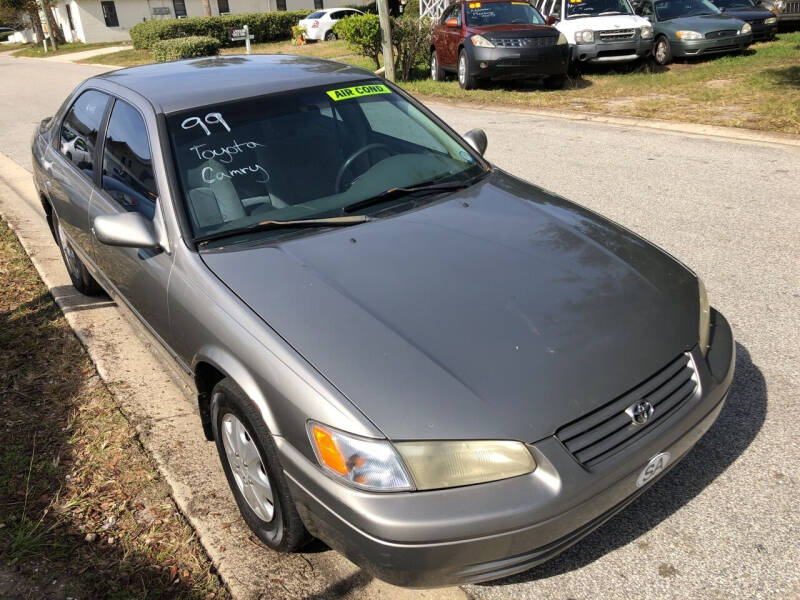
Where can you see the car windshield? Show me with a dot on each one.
(733, 4)
(480, 14)
(595, 8)
(308, 154)
(673, 9)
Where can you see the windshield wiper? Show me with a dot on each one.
(267, 225)
(427, 187)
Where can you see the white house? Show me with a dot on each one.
(110, 20)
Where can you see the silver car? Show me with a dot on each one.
(444, 372)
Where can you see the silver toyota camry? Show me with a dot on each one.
(444, 372)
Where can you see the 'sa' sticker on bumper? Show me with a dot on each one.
(357, 91)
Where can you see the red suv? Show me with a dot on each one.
(498, 39)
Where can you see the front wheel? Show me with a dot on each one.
(465, 80)
(250, 460)
(555, 82)
(437, 73)
(662, 53)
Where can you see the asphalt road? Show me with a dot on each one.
(725, 522)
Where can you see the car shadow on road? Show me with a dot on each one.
(738, 424)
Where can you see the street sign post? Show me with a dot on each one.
(237, 35)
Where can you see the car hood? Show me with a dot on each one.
(706, 23)
(602, 23)
(513, 30)
(749, 14)
(500, 312)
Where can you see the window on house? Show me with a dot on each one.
(79, 130)
(128, 175)
(69, 18)
(223, 7)
(110, 13)
(280, 4)
(318, 4)
(180, 8)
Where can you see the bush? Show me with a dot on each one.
(411, 38)
(265, 27)
(362, 34)
(185, 47)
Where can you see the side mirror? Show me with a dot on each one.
(129, 230)
(477, 139)
(551, 20)
(451, 22)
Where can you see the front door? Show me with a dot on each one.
(452, 38)
(128, 184)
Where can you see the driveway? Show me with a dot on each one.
(723, 524)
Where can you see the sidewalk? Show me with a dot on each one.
(78, 56)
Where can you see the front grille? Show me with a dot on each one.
(616, 35)
(720, 34)
(793, 7)
(534, 42)
(608, 430)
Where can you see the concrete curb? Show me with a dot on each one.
(748, 136)
(162, 409)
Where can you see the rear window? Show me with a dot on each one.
(481, 14)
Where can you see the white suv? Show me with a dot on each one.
(599, 31)
(319, 24)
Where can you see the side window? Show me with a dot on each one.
(448, 13)
(280, 5)
(646, 9)
(110, 13)
(79, 130)
(128, 175)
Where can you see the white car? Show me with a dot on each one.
(599, 31)
(319, 24)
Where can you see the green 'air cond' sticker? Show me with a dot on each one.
(358, 90)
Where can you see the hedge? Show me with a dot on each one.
(191, 46)
(266, 27)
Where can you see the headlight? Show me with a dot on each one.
(584, 37)
(689, 35)
(705, 318)
(745, 29)
(436, 465)
(481, 42)
(770, 21)
(646, 32)
(365, 463)
(562, 39)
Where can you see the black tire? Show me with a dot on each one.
(284, 531)
(662, 52)
(465, 80)
(78, 274)
(330, 36)
(555, 82)
(437, 72)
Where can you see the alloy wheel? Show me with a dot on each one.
(247, 467)
(661, 52)
(462, 70)
(433, 66)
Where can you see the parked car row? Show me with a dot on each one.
(319, 24)
(514, 39)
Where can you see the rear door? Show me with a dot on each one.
(71, 164)
(128, 184)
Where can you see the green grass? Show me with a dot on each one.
(37, 51)
(759, 89)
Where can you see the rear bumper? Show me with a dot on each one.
(515, 63)
(481, 532)
(705, 47)
(603, 52)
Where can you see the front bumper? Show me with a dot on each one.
(687, 48)
(481, 532)
(763, 32)
(606, 52)
(515, 63)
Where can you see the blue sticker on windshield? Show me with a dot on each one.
(465, 155)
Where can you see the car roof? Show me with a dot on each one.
(185, 84)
